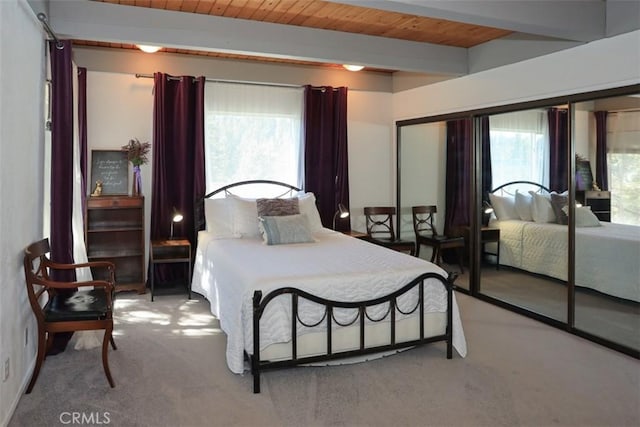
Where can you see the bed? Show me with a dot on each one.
(534, 237)
(330, 298)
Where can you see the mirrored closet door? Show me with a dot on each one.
(555, 204)
(524, 240)
(421, 179)
(607, 218)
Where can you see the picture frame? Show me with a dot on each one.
(584, 177)
(111, 169)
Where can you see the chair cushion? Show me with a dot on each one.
(79, 305)
(441, 240)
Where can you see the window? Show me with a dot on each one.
(623, 161)
(252, 132)
(519, 147)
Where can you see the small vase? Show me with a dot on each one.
(136, 189)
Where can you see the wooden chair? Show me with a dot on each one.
(379, 221)
(426, 234)
(67, 308)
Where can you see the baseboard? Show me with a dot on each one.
(22, 389)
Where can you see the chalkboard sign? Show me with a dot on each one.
(110, 167)
(584, 178)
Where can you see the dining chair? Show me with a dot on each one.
(379, 223)
(426, 234)
(67, 306)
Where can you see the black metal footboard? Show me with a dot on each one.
(260, 303)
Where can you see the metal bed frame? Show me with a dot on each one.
(260, 303)
(364, 320)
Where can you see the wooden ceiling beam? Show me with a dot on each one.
(135, 25)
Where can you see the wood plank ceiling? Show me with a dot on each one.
(319, 15)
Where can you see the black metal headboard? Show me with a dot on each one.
(504, 188)
(199, 204)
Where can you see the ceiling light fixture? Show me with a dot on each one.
(148, 48)
(353, 67)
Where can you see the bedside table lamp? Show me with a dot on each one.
(342, 212)
(487, 210)
(175, 217)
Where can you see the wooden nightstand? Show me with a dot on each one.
(487, 235)
(170, 252)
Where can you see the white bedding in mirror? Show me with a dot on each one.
(607, 257)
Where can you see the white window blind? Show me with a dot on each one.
(252, 132)
(623, 164)
(519, 147)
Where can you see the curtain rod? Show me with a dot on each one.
(150, 76)
(43, 18)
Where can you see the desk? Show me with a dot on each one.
(169, 252)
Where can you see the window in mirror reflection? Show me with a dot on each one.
(519, 147)
(623, 164)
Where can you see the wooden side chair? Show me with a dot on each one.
(67, 307)
(379, 221)
(426, 234)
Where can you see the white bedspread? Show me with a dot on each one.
(338, 267)
(607, 257)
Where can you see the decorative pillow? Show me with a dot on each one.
(307, 204)
(281, 230)
(542, 210)
(584, 217)
(523, 206)
(504, 207)
(217, 214)
(558, 202)
(277, 207)
(244, 215)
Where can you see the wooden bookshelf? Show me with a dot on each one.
(114, 231)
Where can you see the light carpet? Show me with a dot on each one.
(170, 370)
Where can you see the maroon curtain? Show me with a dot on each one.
(458, 176)
(82, 130)
(61, 238)
(558, 149)
(487, 178)
(326, 163)
(602, 174)
(178, 158)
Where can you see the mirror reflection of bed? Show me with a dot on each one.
(607, 250)
(600, 312)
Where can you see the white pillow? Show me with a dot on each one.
(523, 206)
(504, 207)
(307, 205)
(244, 215)
(286, 229)
(542, 210)
(217, 214)
(584, 217)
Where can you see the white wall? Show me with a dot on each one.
(423, 170)
(21, 188)
(602, 64)
(119, 108)
(372, 161)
